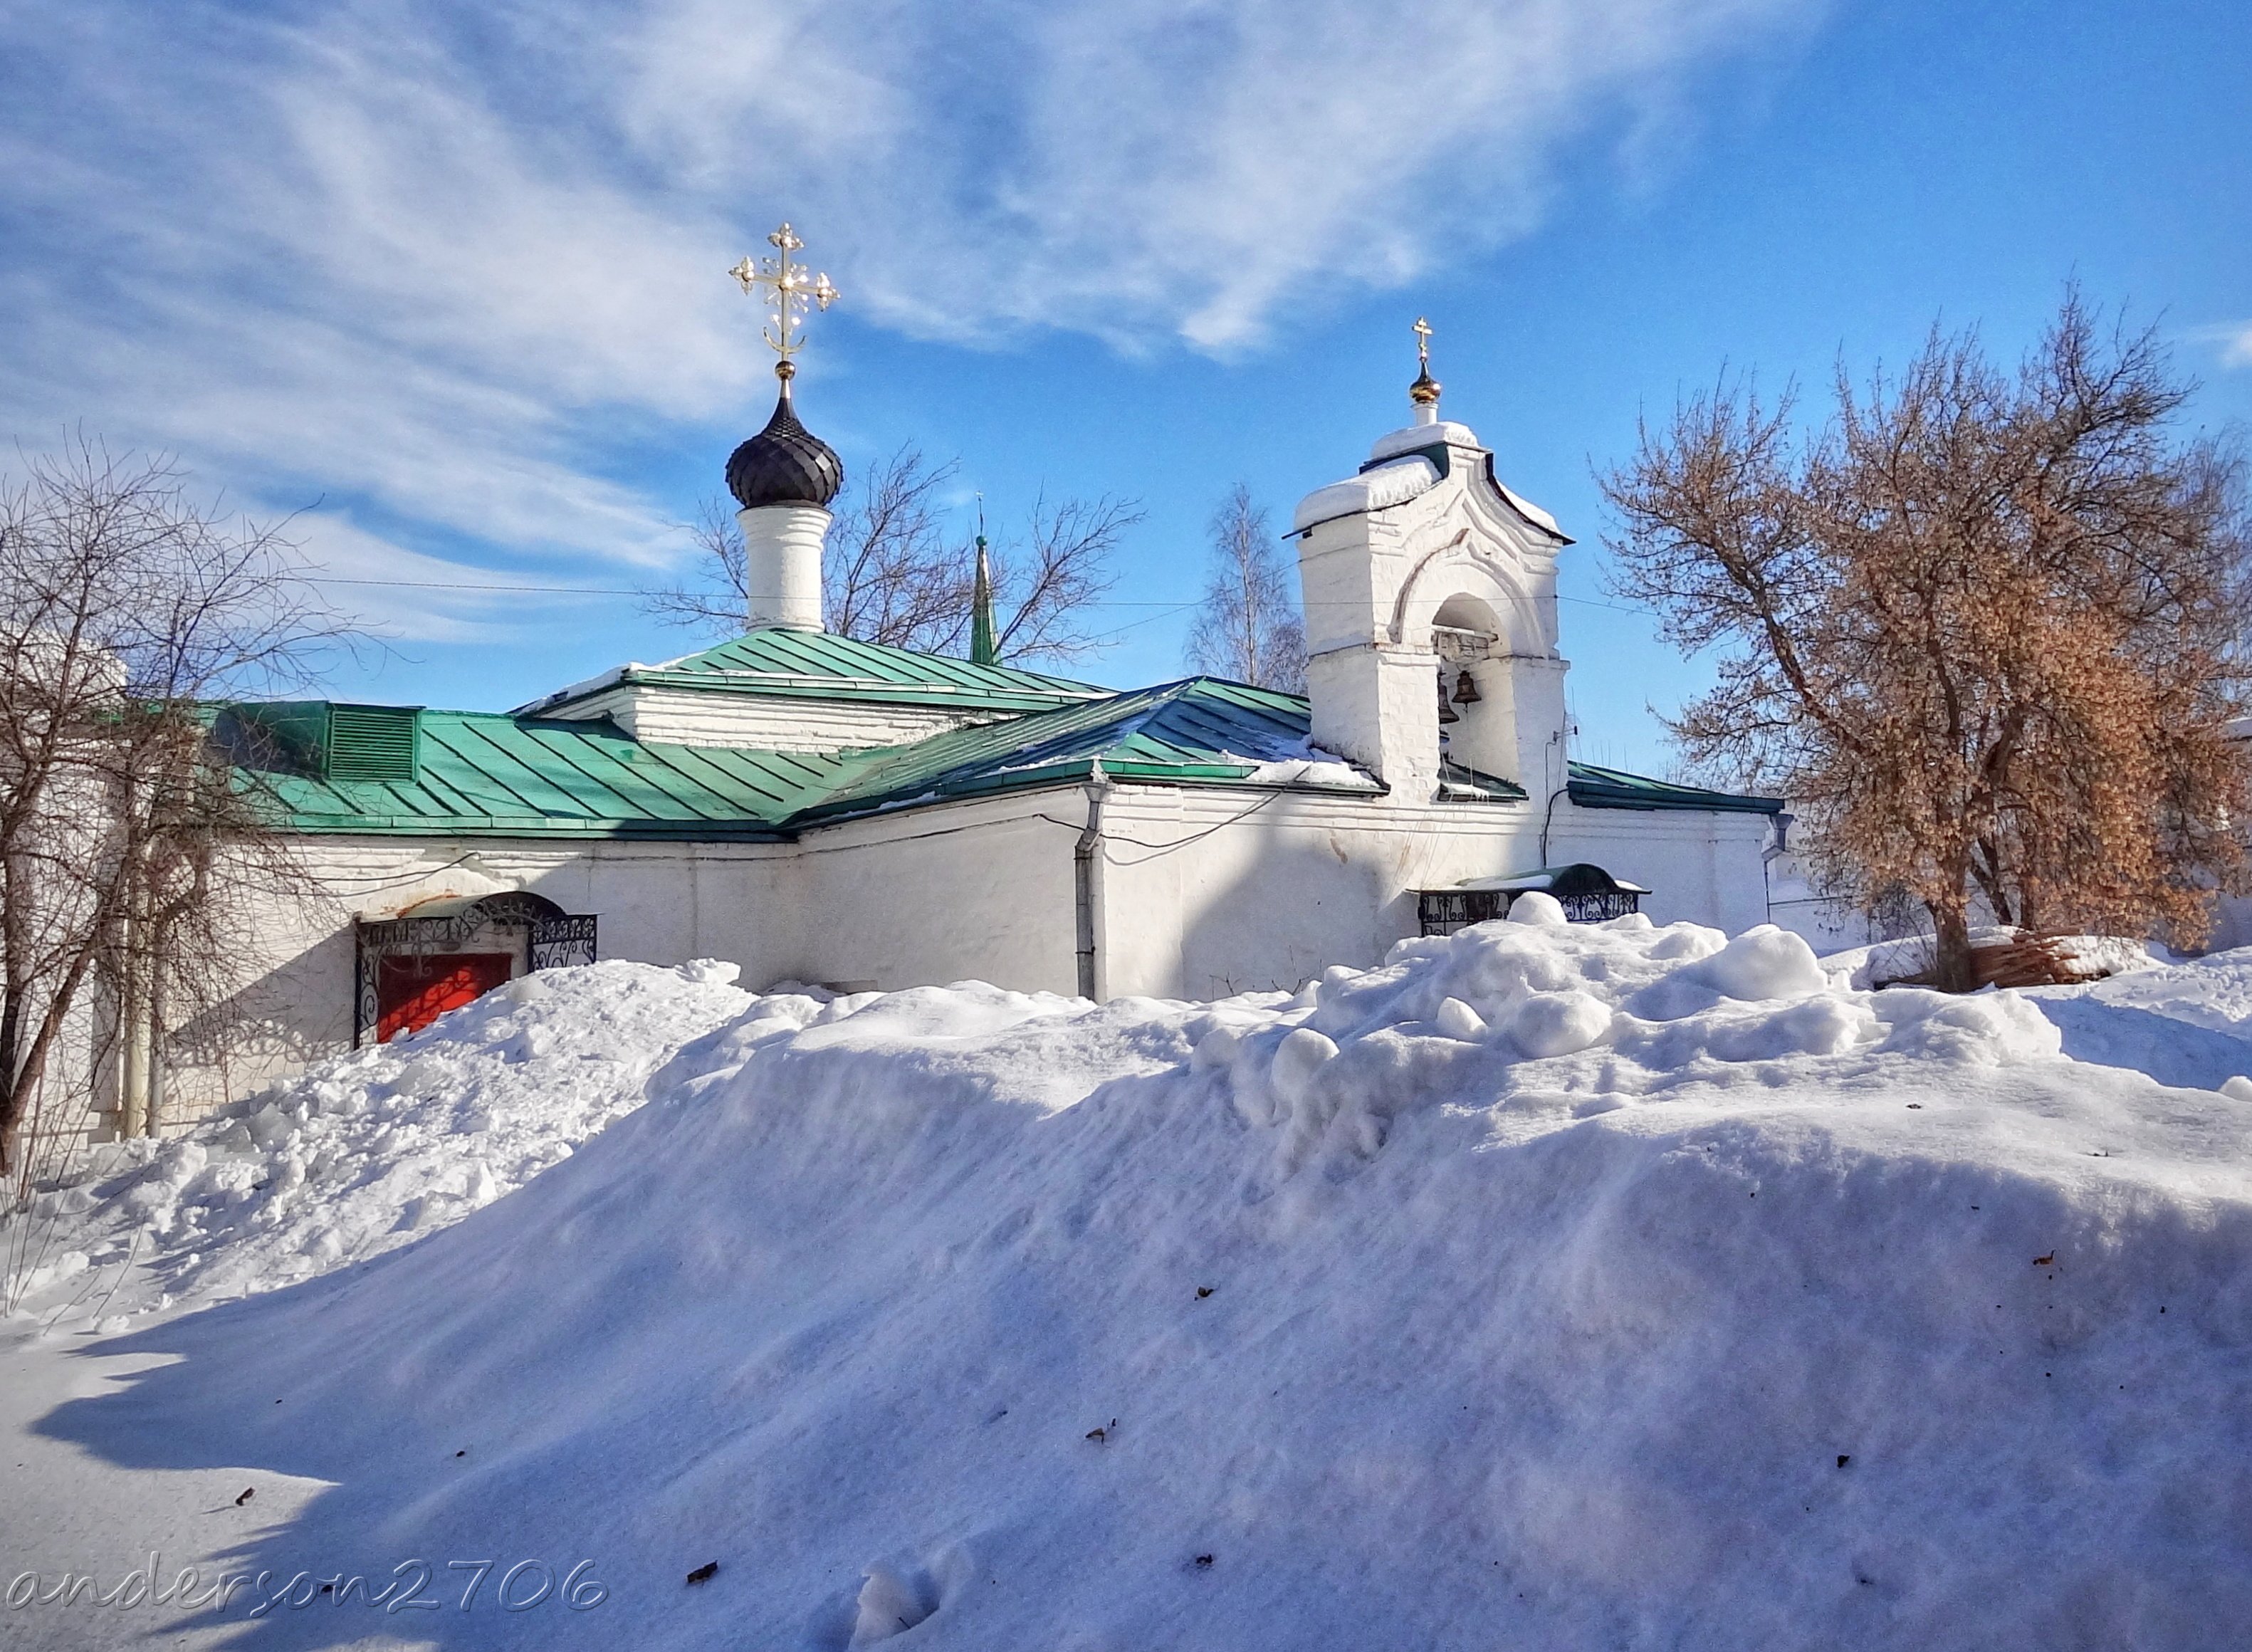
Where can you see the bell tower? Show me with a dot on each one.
(1429, 591)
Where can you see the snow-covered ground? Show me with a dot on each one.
(1550, 1286)
(1889, 963)
(370, 1151)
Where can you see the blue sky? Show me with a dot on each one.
(450, 281)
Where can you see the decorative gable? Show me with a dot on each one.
(1430, 599)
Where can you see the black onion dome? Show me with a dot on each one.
(785, 463)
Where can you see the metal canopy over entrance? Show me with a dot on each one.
(409, 970)
(1588, 894)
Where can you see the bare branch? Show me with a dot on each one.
(1047, 586)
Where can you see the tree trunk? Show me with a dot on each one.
(1951, 970)
(1986, 868)
(12, 1088)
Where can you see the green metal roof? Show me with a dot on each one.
(1200, 730)
(491, 774)
(1459, 783)
(821, 665)
(487, 773)
(482, 773)
(1593, 787)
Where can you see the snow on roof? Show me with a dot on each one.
(1546, 878)
(1372, 489)
(1408, 437)
(1527, 509)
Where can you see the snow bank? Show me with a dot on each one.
(2190, 1024)
(1548, 1287)
(1880, 963)
(2214, 993)
(369, 1151)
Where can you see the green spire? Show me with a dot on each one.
(982, 650)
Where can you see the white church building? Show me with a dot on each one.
(817, 809)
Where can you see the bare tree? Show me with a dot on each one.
(888, 574)
(1047, 585)
(1247, 628)
(129, 846)
(1988, 631)
(892, 574)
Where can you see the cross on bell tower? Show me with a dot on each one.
(1424, 393)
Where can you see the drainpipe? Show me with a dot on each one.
(1780, 825)
(1082, 875)
(1548, 819)
(1548, 816)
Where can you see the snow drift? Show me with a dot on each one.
(371, 1150)
(1549, 1287)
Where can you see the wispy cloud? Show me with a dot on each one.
(400, 595)
(1134, 167)
(451, 263)
(2230, 340)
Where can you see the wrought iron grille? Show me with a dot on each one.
(559, 942)
(367, 1002)
(1598, 907)
(1443, 911)
(552, 940)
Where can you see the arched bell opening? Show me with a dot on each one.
(1477, 720)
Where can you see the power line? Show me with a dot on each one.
(457, 585)
(1175, 606)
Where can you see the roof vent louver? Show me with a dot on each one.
(373, 742)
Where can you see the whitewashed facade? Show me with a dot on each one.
(933, 822)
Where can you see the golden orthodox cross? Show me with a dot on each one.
(788, 291)
(1423, 331)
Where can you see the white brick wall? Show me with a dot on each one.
(767, 722)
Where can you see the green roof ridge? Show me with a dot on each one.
(499, 773)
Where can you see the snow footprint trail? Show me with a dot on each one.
(371, 1150)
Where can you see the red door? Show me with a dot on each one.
(412, 991)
